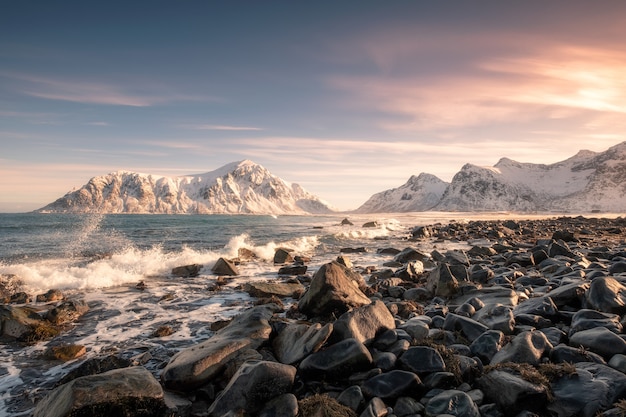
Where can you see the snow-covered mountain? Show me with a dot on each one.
(240, 187)
(586, 182)
(419, 193)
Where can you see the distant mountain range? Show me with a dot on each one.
(586, 182)
(237, 188)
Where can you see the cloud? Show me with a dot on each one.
(90, 92)
(418, 81)
(220, 127)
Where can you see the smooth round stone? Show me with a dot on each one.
(618, 362)
(454, 403)
(285, 405)
(487, 345)
(407, 406)
(422, 360)
(375, 408)
(443, 380)
(352, 397)
(384, 360)
(385, 339)
(392, 384)
(599, 340)
(563, 353)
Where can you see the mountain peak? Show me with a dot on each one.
(235, 188)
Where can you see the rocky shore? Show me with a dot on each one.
(528, 321)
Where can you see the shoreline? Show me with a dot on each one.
(436, 306)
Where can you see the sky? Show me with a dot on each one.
(346, 98)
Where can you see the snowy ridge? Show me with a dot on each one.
(419, 193)
(237, 188)
(588, 181)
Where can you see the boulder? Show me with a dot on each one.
(187, 271)
(279, 289)
(49, 296)
(96, 365)
(606, 294)
(527, 347)
(67, 312)
(364, 323)
(254, 384)
(18, 322)
(468, 327)
(128, 392)
(421, 360)
(283, 256)
(199, 364)
(496, 317)
(225, 267)
(540, 306)
(296, 341)
(487, 345)
(588, 391)
(293, 270)
(392, 385)
(586, 319)
(568, 354)
(285, 405)
(410, 254)
(340, 360)
(599, 340)
(371, 224)
(331, 291)
(442, 282)
(512, 393)
(452, 403)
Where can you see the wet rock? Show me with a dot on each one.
(453, 403)
(187, 271)
(371, 224)
(540, 306)
(285, 405)
(283, 256)
(441, 282)
(225, 267)
(352, 397)
(586, 319)
(279, 289)
(345, 261)
(18, 322)
(293, 270)
(96, 365)
(592, 388)
(331, 291)
(569, 294)
(487, 345)
(440, 380)
(410, 254)
(245, 254)
(512, 393)
(297, 341)
(421, 232)
(65, 353)
(375, 408)
(67, 312)
(599, 340)
(346, 222)
(407, 406)
(416, 328)
(338, 361)
(421, 360)
(617, 268)
(471, 329)
(254, 384)
(364, 323)
(19, 298)
(10, 284)
(392, 385)
(496, 317)
(199, 364)
(131, 392)
(568, 354)
(527, 347)
(606, 294)
(411, 271)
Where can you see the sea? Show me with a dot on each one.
(101, 259)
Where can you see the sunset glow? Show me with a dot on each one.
(345, 99)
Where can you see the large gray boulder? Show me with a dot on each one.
(606, 294)
(126, 392)
(296, 341)
(527, 347)
(599, 340)
(512, 393)
(338, 361)
(199, 364)
(364, 323)
(332, 291)
(254, 384)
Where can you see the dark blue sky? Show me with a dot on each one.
(345, 98)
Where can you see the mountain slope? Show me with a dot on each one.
(585, 182)
(237, 188)
(419, 193)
